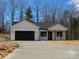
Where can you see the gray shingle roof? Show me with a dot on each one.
(44, 25)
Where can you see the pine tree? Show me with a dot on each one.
(28, 14)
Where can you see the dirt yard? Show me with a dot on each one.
(65, 42)
(4, 37)
(6, 48)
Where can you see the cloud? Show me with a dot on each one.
(75, 3)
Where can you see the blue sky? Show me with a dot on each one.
(63, 3)
(66, 4)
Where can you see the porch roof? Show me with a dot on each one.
(58, 27)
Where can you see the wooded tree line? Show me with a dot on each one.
(38, 11)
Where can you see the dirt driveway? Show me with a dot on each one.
(45, 50)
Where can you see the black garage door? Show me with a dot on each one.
(24, 35)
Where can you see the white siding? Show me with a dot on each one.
(44, 38)
(36, 35)
(25, 26)
(58, 27)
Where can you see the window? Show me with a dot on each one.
(59, 34)
(43, 34)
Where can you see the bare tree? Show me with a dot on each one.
(55, 11)
(37, 9)
(21, 8)
(12, 8)
(7, 25)
(3, 9)
(51, 11)
(45, 12)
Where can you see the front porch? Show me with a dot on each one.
(52, 35)
(56, 32)
(57, 35)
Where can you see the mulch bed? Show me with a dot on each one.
(6, 48)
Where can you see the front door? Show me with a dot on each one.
(49, 35)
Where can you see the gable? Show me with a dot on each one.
(25, 24)
(58, 27)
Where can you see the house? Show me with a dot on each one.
(27, 30)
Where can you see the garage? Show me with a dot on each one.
(25, 31)
(24, 35)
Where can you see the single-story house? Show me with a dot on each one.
(27, 30)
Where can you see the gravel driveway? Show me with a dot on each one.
(45, 50)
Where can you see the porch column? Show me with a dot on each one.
(53, 35)
(47, 35)
(64, 35)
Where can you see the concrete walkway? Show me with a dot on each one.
(44, 50)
